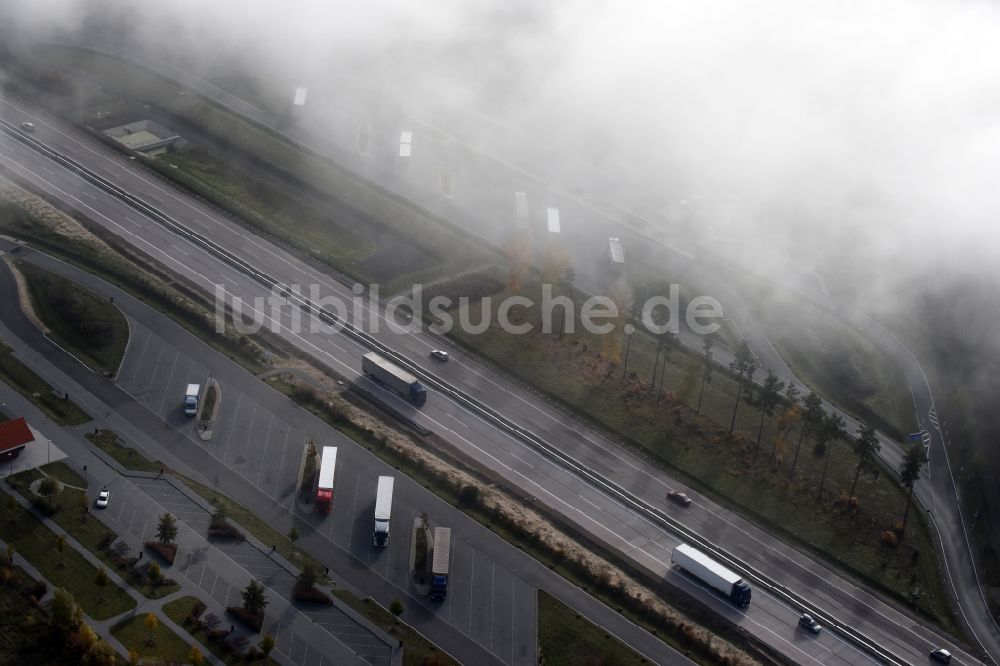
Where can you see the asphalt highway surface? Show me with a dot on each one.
(646, 544)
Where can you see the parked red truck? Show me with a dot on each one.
(324, 489)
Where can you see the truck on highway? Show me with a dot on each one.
(383, 511)
(324, 488)
(520, 211)
(713, 574)
(389, 374)
(440, 562)
(191, 399)
(616, 254)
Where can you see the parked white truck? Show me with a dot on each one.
(440, 563)
(713, 574)
(191, 399)
(383, 511)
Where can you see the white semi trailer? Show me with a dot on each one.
(383, 511)
(713, 574)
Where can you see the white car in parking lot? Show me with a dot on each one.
(103, 498)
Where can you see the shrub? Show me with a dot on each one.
(468, 495)
(889, 539)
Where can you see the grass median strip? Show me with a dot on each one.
(159, 643)
(565, 638)
(90, 328)
(126, 456)
(21, 378)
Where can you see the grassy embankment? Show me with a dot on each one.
(567, 639)
(90, 328)
(21, 378)
(835, 357)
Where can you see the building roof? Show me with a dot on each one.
(14, 434)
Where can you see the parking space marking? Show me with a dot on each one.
(281, 469)
(239, 403)
(152, 375)
(142, 354)
(270, 425)
(493, 581)
(253, 419)
(263, 457)
(472, 586)
(166, 392)
(354, 504)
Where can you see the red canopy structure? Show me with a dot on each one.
(14, 435)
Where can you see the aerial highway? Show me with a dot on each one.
(605, 518)
(241, 460)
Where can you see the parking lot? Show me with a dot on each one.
(262, 437)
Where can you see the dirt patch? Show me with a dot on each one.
(42, 210)
(23, 297)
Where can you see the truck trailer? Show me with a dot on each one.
(383, 511)
(713, 574)
(324, 488)
(389, 374)
(520, 211)
(440, 562)
(191, 399)
(616, 255)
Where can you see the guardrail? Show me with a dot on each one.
(471, 404)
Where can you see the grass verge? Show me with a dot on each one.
(565, 638)
(69, 569)
(21, 378)
(90, 328)
(161, 643)
(181, 612)
(126, 456)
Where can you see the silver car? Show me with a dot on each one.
(103, 498)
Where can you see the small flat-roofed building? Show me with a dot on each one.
(14, 436)
(145, 136)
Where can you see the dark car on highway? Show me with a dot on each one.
(807, 622)
(679, 498)
(941, 655)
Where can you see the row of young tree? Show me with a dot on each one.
(774, 399)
